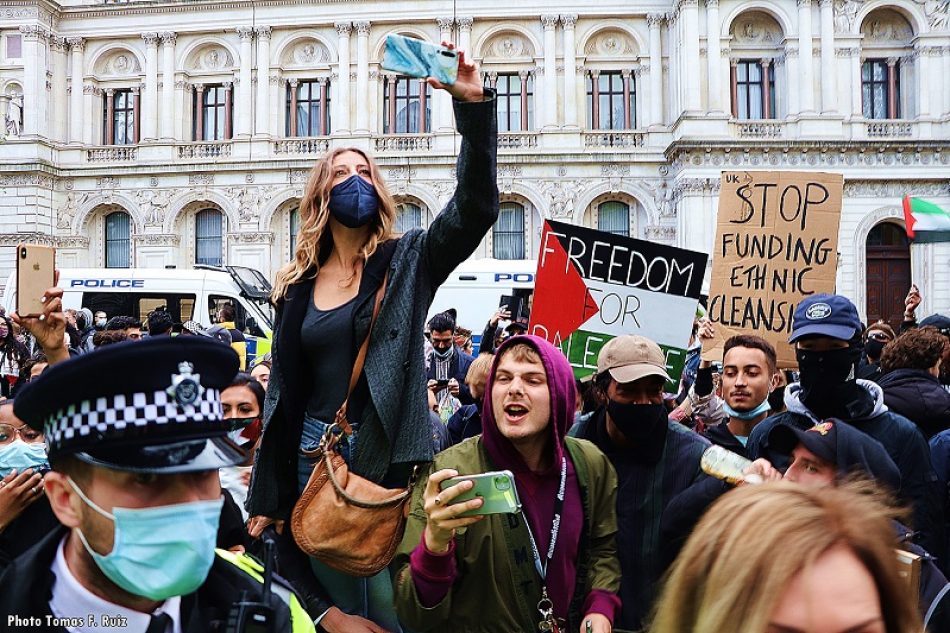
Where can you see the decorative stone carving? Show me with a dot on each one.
(153, 204)
(655, 20)
(201, 179)
(895, 188)
(506, 176)
(886, 25)
(663, 197)
(12, 239)
(306, 52)
(509, 46)
(661, 233)
(66, 213)
(211, 58)
(168, 38)
(19, 180)
(156, 239)
(265, 237)
(299, 176)
(756, 29)
(107, 182)
(938, 13)
(445, 24)
(262, 32)
(562, 195)
(72, 241)
(444, 189)
(249, 177)
(362, 28)
(611, 43)
(121, 63)
(801, 153)
(343, 28)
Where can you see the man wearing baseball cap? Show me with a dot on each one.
(134, 483)
(826, 332)
(942, 323)
(656, 461)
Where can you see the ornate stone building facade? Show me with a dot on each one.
(156, 134)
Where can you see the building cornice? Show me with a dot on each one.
(765, 154)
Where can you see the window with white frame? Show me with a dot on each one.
(308, 107)
(118, 240)
(209, 237)
(614, 217)
(611, 100)
(408, 217)
(508, 233)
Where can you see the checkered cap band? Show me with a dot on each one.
(128, 414)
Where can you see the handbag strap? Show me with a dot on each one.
(340, 420)
(369, 505)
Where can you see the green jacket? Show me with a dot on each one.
(497, 587)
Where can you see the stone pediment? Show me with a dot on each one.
(118, 63)
(756, 29)
(611, 43)
(305, 53)
(210, 58)
(509, 46)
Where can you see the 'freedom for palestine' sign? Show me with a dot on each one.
(592, 286)
(776, 243)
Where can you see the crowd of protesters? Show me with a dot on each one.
(834, 520)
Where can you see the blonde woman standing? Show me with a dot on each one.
(782, 557)
(325, 296)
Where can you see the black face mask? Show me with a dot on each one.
(874, 348)
(777, 399)
(828, 387)
(637, 422)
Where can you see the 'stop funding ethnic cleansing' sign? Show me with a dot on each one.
(776, 243)
(592, 286)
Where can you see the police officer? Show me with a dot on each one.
(135, 457)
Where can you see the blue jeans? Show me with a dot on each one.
(370, 598)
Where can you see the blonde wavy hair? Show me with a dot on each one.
(313, 239)
(752, 542)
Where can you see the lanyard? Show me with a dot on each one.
(555, 526)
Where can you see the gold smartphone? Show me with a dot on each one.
(35, 271)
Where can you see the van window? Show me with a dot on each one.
(216, 302)
(138, 305)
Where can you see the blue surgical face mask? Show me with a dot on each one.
(20, 455)
(158, 552)
(765, 407)
(354, 202)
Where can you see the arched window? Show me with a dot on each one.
(614, 217)
(209, 237)
(294, 230)
(408, 217)
(508, 232)
(118, 240)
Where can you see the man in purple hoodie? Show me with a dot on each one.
(553, 564)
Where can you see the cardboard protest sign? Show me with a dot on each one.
(776, 243)
(592, 286)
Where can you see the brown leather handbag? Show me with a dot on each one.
(343, 520)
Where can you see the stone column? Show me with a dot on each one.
(465, 34)
(891, 87)
(150, 96)
(570, 70)
(292, 116)
(768, 108)
(734, 87)
(76, 45)
(137, 108)
(857, 105)
(168, 85)
(341, 118)
(690, 15)
(550, 70)
(110, 116)
(713, 56)
(199, 119)
(946, 84)
(34, 80)
(523, 75)
(181, 129)
(925, 81)
(595, 99)
(829, 101)
(362, 76)
(806, 58)
(91, 114)
(276, 124)
(793, 79)
(58, 87)
(654, 20)
(442, 101)
(261, 122)
(244, 96)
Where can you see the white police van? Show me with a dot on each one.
(190, 295)
(475, 288)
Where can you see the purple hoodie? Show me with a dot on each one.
(537, 491)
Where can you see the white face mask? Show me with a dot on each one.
(101, 322)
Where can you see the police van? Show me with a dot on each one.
(476, 287)
(189, 295)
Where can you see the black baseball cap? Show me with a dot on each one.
(152, 406)
(825, 315)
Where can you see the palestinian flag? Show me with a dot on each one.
(926, 222)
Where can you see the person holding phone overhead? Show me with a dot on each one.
(468, 573)
(346, 251)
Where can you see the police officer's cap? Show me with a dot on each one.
(152, 406)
